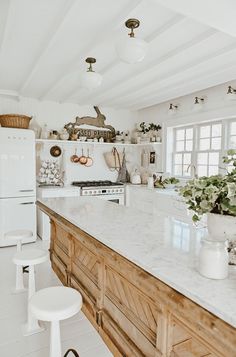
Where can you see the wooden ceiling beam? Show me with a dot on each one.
(48, 42)
(196, 85)
(217, 14)
(143, 78)
(162, 85)
(100, 36)
(176, 19)
(5, 23)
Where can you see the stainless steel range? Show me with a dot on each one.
(108, 190)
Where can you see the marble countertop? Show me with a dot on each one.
(162, 245)
(165, 191)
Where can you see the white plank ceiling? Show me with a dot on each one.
(43, 46)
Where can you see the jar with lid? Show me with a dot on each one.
(213, 259)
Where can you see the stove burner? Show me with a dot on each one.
(96, 183)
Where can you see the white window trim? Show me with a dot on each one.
(225, 140)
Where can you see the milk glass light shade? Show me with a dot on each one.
(91, 79)
(131, 49)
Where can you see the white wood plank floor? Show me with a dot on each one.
(76, 332)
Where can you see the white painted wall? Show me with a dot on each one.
(99, 170)
(215, 107)
(56, 115)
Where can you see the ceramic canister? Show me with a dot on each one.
(213, 259)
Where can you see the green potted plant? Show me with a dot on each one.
(170, 182)
(148, 130)
(216, 197)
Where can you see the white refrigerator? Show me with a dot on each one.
(17, 182)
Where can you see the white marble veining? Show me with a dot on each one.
(162, 245)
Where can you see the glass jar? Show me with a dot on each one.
(213, 259)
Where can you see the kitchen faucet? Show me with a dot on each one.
(194, 170)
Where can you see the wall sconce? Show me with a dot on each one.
(172, 109)
(91, 79)
(131, 49)
(198, 103)
(231, 93)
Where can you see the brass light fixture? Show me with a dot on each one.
(172, 109)
(132, 49)
(132, 24)
(198, 103)
(91, 79)
(198, 100)
(231, 93)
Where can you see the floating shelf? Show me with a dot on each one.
(58, 142)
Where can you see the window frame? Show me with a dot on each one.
(220, 151)
(183, 151)
(225, 145)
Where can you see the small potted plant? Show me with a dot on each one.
(144, 129)
(148, 131)
(153, 129)
(216, 197)
(170, 182)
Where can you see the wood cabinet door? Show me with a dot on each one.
(185, 343)
(85, 277)
(131, 313)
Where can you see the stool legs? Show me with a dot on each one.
(55, 339)
(19, 288)
(32, 325)
(19, 275)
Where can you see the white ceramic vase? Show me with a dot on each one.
(221, 227)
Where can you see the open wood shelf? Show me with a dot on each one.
(93, 143)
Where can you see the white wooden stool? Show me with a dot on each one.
(30, 257)
(17, 237)
(55, 304)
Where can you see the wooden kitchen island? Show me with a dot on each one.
(132, 293)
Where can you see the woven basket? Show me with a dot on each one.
(15, 121)
(113, 159)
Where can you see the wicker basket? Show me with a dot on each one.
(15, 121)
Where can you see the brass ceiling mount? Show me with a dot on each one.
(132, 24)
(90, 61)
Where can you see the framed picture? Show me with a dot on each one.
(152, 157)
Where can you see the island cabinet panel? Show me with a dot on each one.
(59, 251)
(84, 276)
(184, 342)
(135, 313)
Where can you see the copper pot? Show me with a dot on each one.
(83, 159)
(75, 158)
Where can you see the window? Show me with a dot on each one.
(183, 151)
(199, 148)
(208, 149)
(232, 135)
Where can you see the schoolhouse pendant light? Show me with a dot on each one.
(131, 49)
(91, 79)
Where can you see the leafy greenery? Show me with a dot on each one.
(145, 128)
(171, 180)
(214, 194)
